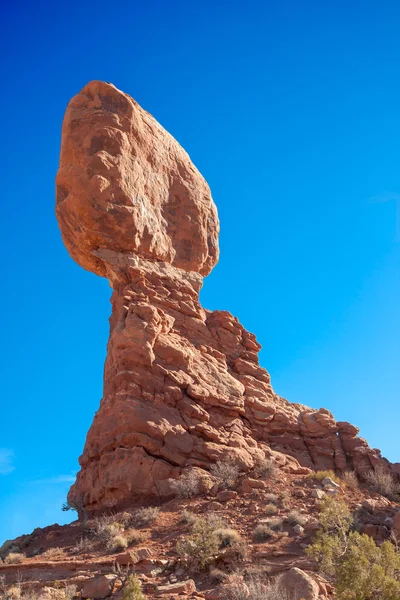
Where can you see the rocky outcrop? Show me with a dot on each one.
(182, 385)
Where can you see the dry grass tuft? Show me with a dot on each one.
(145, 516)
(321, 475)
(14, 558)
(266, 469)
(227, 472)
(187, 486)
(296, 518)
(262, 533)
(350, 479)
(382, 482)
(53, 553)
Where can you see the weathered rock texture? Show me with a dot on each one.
(182, 385)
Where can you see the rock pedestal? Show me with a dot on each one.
(182, 385)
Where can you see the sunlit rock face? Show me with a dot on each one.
(182, 385)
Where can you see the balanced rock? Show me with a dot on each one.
(182, 385)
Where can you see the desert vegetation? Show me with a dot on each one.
(359, 569)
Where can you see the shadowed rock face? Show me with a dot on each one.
(182, 385)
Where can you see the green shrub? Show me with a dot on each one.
(359, 569)
(200, 546)
(132, 589)
(321, 475)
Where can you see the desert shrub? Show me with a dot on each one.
(228, 537)
(296, 518)
(14, 558)
(118, 542)
(266, 469)
(272, 498)
(145, 516)
(215, 521)
(52, 553)
(321, 475)
(136, 537)
(218, 576)
(262, 533)
(275, 523)
(359, 569)
(255, 589)
(350, 479)
(382, 482)
(84, 545)
(187, 518)
(227, 472)
(270, 509)
(132, 589)
(200, 546)
(12, 592)
(285, 500)
(110, 532)
(186, 486)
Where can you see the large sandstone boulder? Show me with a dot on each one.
(125, 184)
(183, 387)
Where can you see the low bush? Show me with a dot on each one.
(52, 553)
(187, 518)
(136, 537)
(272, 498)
(262, 533)
(296, 518)
(118, 542)
(200, 546)
(321, 475)
(217, 576)
(359, 569)
(14, 558)
(215, 520)
(270, 509)
(275, 523)
(382, 482)
(132, 589)
(83, 546)
(256, 588)
(227, 472)
(187, 486)
(350, 479)
(145, 516)
(266, 469)
(228, 537)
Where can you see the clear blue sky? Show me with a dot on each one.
(291, 110)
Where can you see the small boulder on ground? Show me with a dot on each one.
(300, 585)
(182, 587)
(99, 588)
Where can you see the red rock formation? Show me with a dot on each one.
(182, 385)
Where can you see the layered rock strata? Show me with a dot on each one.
(182, 385)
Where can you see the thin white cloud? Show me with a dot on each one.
(6, 461)
(57, 479)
